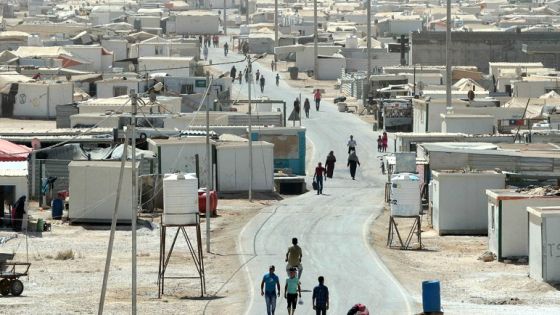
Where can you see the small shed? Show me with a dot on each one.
(459, 203)
(289, 146)
(93, 191)
(233, 166)
(544, 240)
(508, 234)
(329, 67)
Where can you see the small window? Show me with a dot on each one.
(120, 90)
(493, 216)
(187, 89)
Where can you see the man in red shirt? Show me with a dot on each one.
(318, 177)
(317, 96)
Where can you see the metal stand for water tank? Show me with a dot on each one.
(394, 229)
(196, 254)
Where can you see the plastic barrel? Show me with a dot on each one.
(431, 296)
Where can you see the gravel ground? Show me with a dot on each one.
(74, 285)
(466, 282)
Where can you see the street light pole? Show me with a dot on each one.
(368, 73)
(448, 58)
(208, 177)
(134, 103)
(225, 16)
(275, 27)
(250, 74)
(315, 39)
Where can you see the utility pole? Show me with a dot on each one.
(448, 58)
(315, 38)
(225, 16)
(368, 73)
(250, 73)
(275, 27)
(247, 12)
(134, 103)
(208, 177)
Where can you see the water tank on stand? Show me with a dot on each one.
(180, 199)
(351, 41)
(405, 195)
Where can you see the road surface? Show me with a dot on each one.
(332, 228)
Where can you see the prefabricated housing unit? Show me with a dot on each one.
(233, 166)
(289, 146)
(195, 22)
(459, 203)
(544, 243)
(93, 190)
(179, 155)
(508, 234)
(39, 99)
(13, 181)
(173, 66)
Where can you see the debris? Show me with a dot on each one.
(487, 257)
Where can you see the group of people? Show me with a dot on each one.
(382, 142)
(323, 173)
(270, 285)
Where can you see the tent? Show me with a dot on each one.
(10, 151)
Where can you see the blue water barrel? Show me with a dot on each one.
(431, 296)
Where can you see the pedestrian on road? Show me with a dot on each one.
(385, 140)
(329, 164)
(321, 297)
(277, 79)
(226, 49)
(18, 210)
(246, 75)
(205, 52)
(262, 83)
(297, 107)
(233, 72)
(317, 96)
(291, 291)
(273, 65)
(318, 177)
(269, 284)
(306, 107)
(240, 76)
(353, 163)
(293, 257)
(351, 144)
(257, 75)
(379, 144)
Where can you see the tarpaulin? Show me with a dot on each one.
(10, 151)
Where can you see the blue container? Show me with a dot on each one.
(431, 298)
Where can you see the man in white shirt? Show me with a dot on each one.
(351, 144)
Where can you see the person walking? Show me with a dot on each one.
(246, 75)
(18, 212)
(262, 81)
(273, 65)
(351, 144)
(257, 75)
(205, 52)
(291, 291)
(306, 107)
(240, 77)
(353, 163)
(384, 140)
(318, 178)
(233, 72)
(277, 79)
(226, 49)
(317, 96)
(293, 257)
(269, 284)
(329, 164)
(379, 144)
(321, 297)
(297, 108)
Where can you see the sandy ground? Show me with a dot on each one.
(51, 286)
(466, 282)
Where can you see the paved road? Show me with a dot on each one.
(331, 228)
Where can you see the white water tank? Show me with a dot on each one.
(405, 195)
(351, 41)
(180, 199)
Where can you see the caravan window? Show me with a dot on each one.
(187, 89)
(120, 90)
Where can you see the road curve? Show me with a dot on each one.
(332, 228)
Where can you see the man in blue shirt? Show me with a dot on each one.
(321, 298)
(269, 286)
